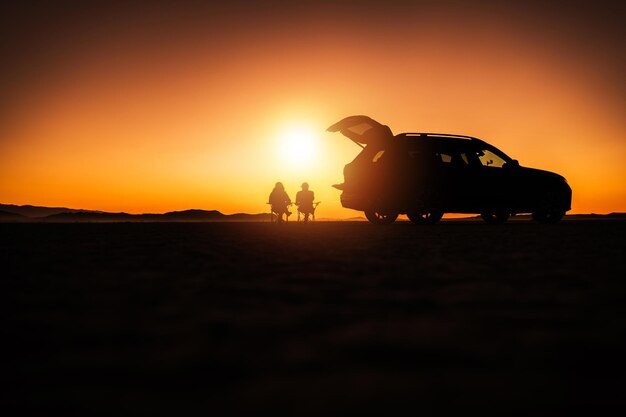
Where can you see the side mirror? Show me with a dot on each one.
(511, 165)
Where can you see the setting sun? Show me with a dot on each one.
(298, 145)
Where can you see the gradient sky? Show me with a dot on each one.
(160, 106)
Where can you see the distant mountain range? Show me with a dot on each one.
(14, 213)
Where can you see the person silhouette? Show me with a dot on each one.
(304, 201)
(279, 201)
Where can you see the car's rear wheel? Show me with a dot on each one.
(495, 217)
(430, 217)
(378, 217)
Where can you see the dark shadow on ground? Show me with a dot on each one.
(317, 319)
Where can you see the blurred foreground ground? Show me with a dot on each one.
(318, 319)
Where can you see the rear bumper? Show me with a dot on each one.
(353, 201)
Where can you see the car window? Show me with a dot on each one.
(421, 157)
(490, 159)
(444, 157)
(360, 128)
(456, 159)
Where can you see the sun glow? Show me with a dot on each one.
(297, 145)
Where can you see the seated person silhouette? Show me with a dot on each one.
(279, 201)
(304, 201)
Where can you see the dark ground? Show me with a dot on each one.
(319, 319)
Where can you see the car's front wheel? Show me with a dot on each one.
(430, 217)
(378, 217)
(495, 217)
(548, 216)
(547, 211)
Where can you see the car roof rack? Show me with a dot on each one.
(439, 135)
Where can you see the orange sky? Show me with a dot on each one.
(153, 109)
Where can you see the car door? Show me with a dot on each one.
(495, 184)
(467, 176)
(459, 176)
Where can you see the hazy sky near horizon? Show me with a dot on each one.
(159, 106)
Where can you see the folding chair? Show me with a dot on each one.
(276, 217)
(311, 214)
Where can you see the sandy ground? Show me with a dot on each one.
(317, 319)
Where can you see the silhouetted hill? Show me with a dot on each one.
(597, 216)
(15, 213)
(6, 215)
(194, 215)
(175, 216)
(528, 217)
(11, 212)
(246, 217)
(89, 216)
(37, 211)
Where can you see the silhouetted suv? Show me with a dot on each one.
(425, 175)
